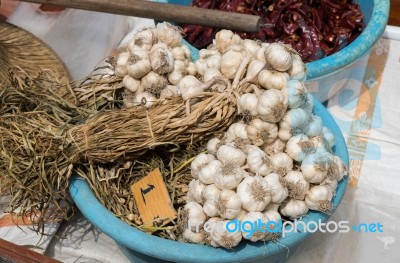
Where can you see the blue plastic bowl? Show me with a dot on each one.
(144, 247)
(325, 73)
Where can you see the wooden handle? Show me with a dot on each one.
(165, 12)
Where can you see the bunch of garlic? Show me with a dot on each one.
(277, 160)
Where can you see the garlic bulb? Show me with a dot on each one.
(186, 82)
(319, 198)
(308, 105)
(169, 92)
(194, 237)
(271, 105)
(196, 216)
(293, 123)
(213, 145)
(131, 84)
(169, 34)
(260, 132)
(273, 232)
(258, 162)
(225, 38)
(210, 73)
(275, 184)
(144, 39)
(212, 58)
(231, 60)
(315, 167)
(144, 99)
(195, 192)
(329, 137)
(201, 66)
(336, 168)
(128, 99)
(278, 56)
(154, 83)
(181, 53)
(178, 73)
(281, 163)
(209, 226)
(208, 172)
(228, 204)
(138, 64)
(211, 192)
(254, 67)
(270, 79)
(298, 69)
(252, 233)
(221, 237)
(254, 193)
(294, 208)
(248, 104)
(191, 69)
(122, 59)
(314, 127)
(210, 208)
(237, 130)
(199, 162)
(229, 175)
(251, 45)
(296, 184)
(274, 147)
(331, 183)
(161, 59)
(320, 144)
(299, 146)
(229, 154)
(297, 94)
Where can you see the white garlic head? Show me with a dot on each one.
(228, 204)
(199, 162)
(297, 94)
(144, 99)
(281, 163)
(169, 34)
(270, 79)
(131, 84)
(211, 192)
(279, 56)
(298, 69)
(259, 162)
(315, 167)
(314, 127)
(254, 68)
(294, 208)
(208, 173)
(277, 187)
(260, 132)
(121, 68)
(196, 216)
(225, 38)
(254, 193)
(231, 60)
(296, 185)
(249, 231)
(248, 105)
(237, 130)
(293, 122)
(221, 237)
(276, 146)
(231, 154)
(154, 83)
(272, 105)
(213, 145)
(178, 73)
(229, 175)
(161, 59)
(195, 192)
(299, 146)
(194, 237)
(319, 198)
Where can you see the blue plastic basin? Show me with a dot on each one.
(143, 247)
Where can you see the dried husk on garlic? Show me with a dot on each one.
(254, 193)
(279, 56)
(294, 208)
(229, 175)
(260, 132)
(296, 184)
(161, 59)
(319, 198)
(271, 79)
(228, 204)
(154, 83)
(272, 105)
(169, 34)
(138, 64)
(336, 168)
(225, 38)
(299, 146)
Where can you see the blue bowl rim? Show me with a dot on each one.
(157, 247)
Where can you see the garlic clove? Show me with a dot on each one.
(178, 73)
(319, 198)
(296, 184)
(315, 167)
(254, 67)
(230, 154)
(248, 105)
(210, 209)
(208, 173)
(224, 238)
(196, 216)
(161, 59)
(237, 130)
(299, 146)
(211, 192)
(256, 230)
(225, 38)
(130, 83)
(281, 163)
(269, 79)
(277, 188)
(231, 60)
(228, 204)
(298, 69)
(258, 162)
(191, 69)
(213, 145)
(199, 162)
(272, 105)
(122, 59)
(279, 56)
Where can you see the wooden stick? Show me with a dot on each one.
(166, 12)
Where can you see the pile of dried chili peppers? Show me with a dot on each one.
(315, 28)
